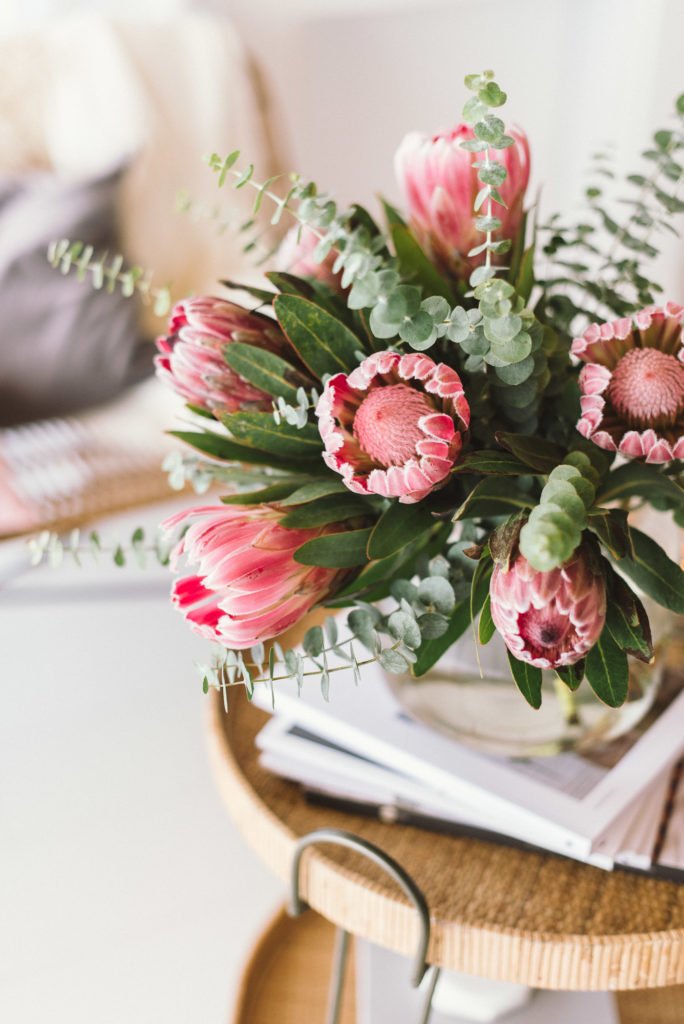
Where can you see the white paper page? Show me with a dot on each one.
(612, 842)
(636, 849)
(309, 763)
(369, 720)
(672, 853)
(341, 774)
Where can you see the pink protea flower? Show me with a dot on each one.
(549, 619)
(295, 256)
(440, 185)
(394, 425)
(633, 384)
(244, 585)
(190, 357)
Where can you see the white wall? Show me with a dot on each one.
(350, 77)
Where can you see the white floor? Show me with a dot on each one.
(126, 894)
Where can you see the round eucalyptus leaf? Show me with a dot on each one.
(393, 662)
(437, 592)
(419, 331)
(516, 373)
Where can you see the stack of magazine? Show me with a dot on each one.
(360, 749)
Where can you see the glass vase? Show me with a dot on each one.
(470, 696)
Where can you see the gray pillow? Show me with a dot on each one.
(63, 345)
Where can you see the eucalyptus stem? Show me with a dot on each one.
(488, 251)
(317, 673)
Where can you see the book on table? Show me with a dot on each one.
(360, 748)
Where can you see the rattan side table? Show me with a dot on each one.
(495, 912)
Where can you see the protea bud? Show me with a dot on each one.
(296, 256)
(633, 384)
(394, 425)
(440, 185)
(549, 619)
(191, 361)
(244, 585)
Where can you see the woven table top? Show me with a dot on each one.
(496, 912)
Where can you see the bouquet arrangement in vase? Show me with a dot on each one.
(438, 424)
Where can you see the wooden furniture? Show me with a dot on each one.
(286, 976)
(496, 912)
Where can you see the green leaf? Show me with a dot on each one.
(265, 494)
(263, 295)
(361, 623)
(643, 480)
(323, 343)
(199, 411)
(492, 95)
(492, 463)
(430, 651)
(416, 266)
(333, 509)
(397, 527)
(259, 430)
(536, 452)
(392, 215)
(313, 642)
(528, 679)
(335, 550)
(491, 497)
(607, 671)
(486, 628)
(503, 542)
(654, 573)
(473, 110)
(261, 368)
(315, 489)
(375, 576)
(393, 661)
(479, 587)
(418, 331)
(437, 594)
(223, 448)
(291, 284)
(572, 675)
(611, 528)
(404, 628)
(525, 280)
(627, 621)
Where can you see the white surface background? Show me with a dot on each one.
(127, 896)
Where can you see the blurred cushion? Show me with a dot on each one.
(63, 345)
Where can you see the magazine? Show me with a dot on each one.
(362, 746)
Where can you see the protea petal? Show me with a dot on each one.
(394, 425)
(549, 619)
(190, 357)
(244, 585)
(440, 184)
(633, 384)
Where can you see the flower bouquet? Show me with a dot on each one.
(436, 425)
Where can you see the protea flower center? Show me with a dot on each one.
(647, 388)
(394, 426)
(544, 631)
(386, 424)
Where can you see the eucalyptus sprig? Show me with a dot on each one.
(603, 261)
(53, 548)
(109, 273)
